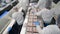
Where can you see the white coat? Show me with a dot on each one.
(46, 15)
(23, 3)
(50, 29)
(43, 4)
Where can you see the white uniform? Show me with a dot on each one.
(23, 3)
(58, 4)
(43, 4)
(46, 15)
(18, 16)
(50, 29)
(56, 10)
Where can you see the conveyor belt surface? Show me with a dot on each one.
(31, 28)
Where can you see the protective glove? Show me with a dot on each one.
(37, 23)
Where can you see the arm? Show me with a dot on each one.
(39, 13)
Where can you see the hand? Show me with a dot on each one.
(37, 23)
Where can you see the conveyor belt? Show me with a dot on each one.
(31, 28)
(28, 26)
(13, 3)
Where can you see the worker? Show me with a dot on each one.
(44, 4)
(24, 4)
(46, 15)
(56, 11)
(50, 29)
(18, 16)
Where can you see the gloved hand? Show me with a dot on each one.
(37, 23)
